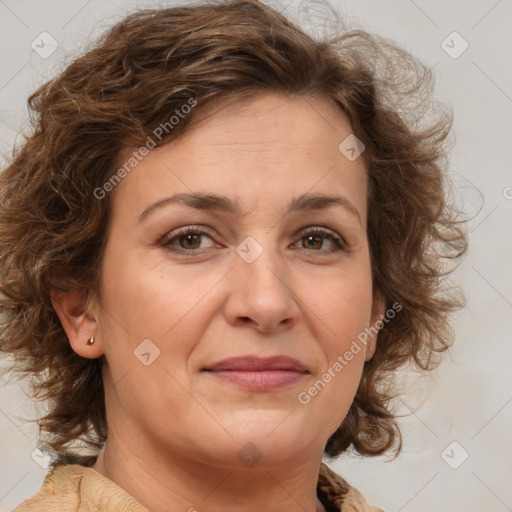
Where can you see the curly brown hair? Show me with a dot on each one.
(53, 229)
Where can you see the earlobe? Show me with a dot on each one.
(78, 321)
(378, 312)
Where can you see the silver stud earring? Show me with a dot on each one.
(90, 341)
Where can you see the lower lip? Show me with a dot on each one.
(260, 380)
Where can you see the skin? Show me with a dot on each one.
(174, 429)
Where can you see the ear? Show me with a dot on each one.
(78, 318)
(378, 311)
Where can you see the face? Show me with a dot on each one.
(270, 272)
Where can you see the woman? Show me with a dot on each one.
(217, 246)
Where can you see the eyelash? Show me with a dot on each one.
(197, 230)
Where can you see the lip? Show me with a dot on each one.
(259, 373)
(256, 363)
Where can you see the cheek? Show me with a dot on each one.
(329, 394)
(343, 311)
(141, 303)
(154, 301)
(344, 304)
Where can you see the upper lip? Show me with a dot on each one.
(256, 363)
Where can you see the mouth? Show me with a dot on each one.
(257, 373)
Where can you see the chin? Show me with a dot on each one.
(259, 454)
(266, 441)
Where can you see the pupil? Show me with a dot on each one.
(311, 240)
(190, 240)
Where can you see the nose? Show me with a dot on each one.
(261, 294)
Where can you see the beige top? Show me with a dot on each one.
(75, 488)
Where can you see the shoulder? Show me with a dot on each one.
(52, 495)
(337, 495)
(72, 488)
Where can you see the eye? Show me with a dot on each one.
(315, 239)
(187, 239)
(191, 239)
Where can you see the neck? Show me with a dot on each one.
(184, 484)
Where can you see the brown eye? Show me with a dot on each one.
(187, 240)
(322, 241)
(190, 241)
(312, 242)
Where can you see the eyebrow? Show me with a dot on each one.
(218, 203)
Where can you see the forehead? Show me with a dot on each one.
(273, 144)
(270, 122)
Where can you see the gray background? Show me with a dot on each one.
(468, 400)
